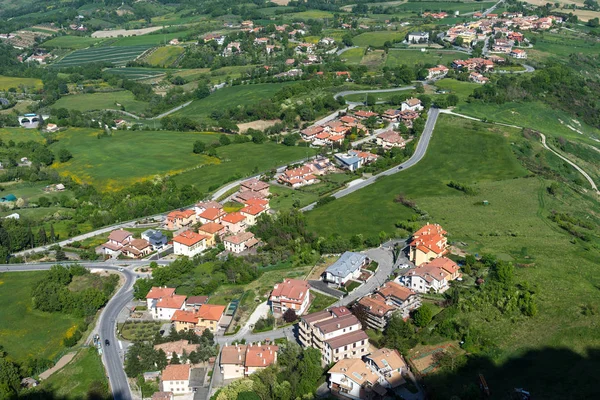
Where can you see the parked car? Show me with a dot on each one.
(106, 342)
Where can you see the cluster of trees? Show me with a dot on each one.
(52, 292)
(297, 374)
(17, 235)
(558, 85)
(142, 357)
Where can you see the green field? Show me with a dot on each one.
(135, 73)
(314, 14)
(514, 225)
(83, 375)
(377, 39)
(448, 6)
(7, 82)
(149, 40)
(353, 56)
(72, 42)
(229, 97)
(102, 101)
(115, 55)
(478, 146)
(239, 160)
(164, 56)
(31, 191)
(398, 57)
(560, 45)
(118, 161)
(460, 88)
(25, 332)
(20, 135)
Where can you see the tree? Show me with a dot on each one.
(60, 254)
(175, 359)
(371, 100)
(199, 147)
(9, 379)
(452, 100)
(258, 137)
(347, 40)
(459, 41)
(290, 315)
(224, 140)
(423, 315)
(52, 236)
(64, 155)
(594, 22)
(309, 370)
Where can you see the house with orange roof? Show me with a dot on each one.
(433, 276)
(180, 218)
(437, 72)
(176, 378)
(184, 320)
(258, 202)
(117, 239)
(137, 248)
(255, 185)
(252, 212)
(211, 215)
(362, 114)
(202, 206)
(212, 229)
(518, 53)
(311, 132)
(389, 139)
(162, 302)
(240, 360)
(190, 243)
(240, 242)
(290, 294)
(353, 379)
(427, 243)
(298, 177)
(234, 222)
(209, 316)
(179, 347)
(377, 311)
(389, 365)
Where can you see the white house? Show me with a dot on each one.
(240, 242)
(433, 276)
(347, 267)
(412, 104)
(176, 378)
(189, 243)
(291, 293)
(162, 302)
(418, 37)
(352, 378)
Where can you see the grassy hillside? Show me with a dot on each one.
(164, 56)
(25, 332)
(7, 82)
(102, 101)
(514, 226)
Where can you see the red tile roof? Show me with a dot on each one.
(158, 292)
(393, 289)
(189, 238)
(212, 213)
(252, 210)
(185, 316)
(175, 301)
(119, 235)
(211, 312)
(176, 372)
(211, 227)
(292, 289)
(260, 356)
(234, 218)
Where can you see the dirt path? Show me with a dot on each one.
(64, 360)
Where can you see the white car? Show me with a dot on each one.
(121, 269)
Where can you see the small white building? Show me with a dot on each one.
(418, 37)
(239, 242)
(176, 378)
(162, 302)
(412, 104)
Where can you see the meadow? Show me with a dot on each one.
(229, 97)
(102, 101)
(377, 39)
(448, 6)
(113, 54)
(20, 135)
(72, 42)
(353, 56)
(397, 57)
(80, 376)
(164, 56)
(240, 160)
(118, 161)
(550, 45)
(26, 332)
(150, 40)
(314, 14)
(7, 82)
(514, 226)
(460, 88)
(478, 145)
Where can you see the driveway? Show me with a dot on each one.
(262, 310)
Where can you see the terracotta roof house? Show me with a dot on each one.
(362, 114)
(432, 276)
(190, 243)
(211, 215)
(412, 104)
(162, 302)
(378, 312)
(180, 219)
(209, 316)
(234, 222)
(239, 242)
(389, 364)
(290, 294)
(202, 206)
(255, 185)
(176, 378)
(405, 299)
(246, 195)
(196, 301)
(258, 202)
(437, 72)
(117, 239)
(137, 248)
(427, 243)
(212, 230)
(310, 132)
(352, 378)
(252, 212)
(298, 177)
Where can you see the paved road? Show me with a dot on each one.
(172, 111)
(112, 356)
(415, 158)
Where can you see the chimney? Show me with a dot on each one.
(338, 325)
(240, 357)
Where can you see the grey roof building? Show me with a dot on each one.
(156, 238)
(345, 268)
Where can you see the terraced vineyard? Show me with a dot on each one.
(116, 55)
(138, 73)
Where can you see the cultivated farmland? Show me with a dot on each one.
(164, 56)
(7, 82)
(102, 101)
(137, 73)
(71, 42)
(397, 57)
(112, 54)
